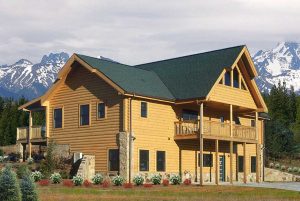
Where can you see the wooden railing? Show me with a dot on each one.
(214, 129)
(36, 132)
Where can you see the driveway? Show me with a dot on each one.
(294, 186)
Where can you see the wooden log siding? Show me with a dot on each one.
(84, 87)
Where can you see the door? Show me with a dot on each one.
(222, 168)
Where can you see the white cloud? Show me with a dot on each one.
(139, 31)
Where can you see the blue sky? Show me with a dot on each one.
(134, 31)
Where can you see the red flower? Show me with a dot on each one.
(68, 183)
(128, 185)
(187, 182)
(147, 185)
(105, 184)
(44, 182)
(87, 183)
(165, 182)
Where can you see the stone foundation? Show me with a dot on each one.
(123, 143)
(272, 175)
(87, 167)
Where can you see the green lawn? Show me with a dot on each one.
(190, 193)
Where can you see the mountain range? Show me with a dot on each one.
(23, 78)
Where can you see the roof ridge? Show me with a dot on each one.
(190, 55)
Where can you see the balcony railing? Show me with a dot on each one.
(36, 132)
(190, 128)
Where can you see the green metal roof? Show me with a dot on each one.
(174, 79)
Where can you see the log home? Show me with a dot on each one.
(199, 115)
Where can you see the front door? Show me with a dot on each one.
(222, 168)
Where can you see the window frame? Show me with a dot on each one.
(62, 117)
(108, 159)
(141, 109)
(148, 168)
(236, 80)
(97, 110)
(165, 161)
(227, 72)
(253, 168)
(204, 164)
(79, 115)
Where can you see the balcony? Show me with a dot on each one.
(213, 130)
(36, 133)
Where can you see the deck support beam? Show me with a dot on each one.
(231, 145)
(201, 145)
(217, 162)
(245, 165)
(30, 134)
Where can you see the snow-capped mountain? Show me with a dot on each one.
(279, 64)
(28, 79)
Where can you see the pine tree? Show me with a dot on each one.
(9, 186)
(28, 189)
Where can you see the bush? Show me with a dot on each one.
(118, 180)
(64, 174)
(77, 180)
(49, 164)
(147, 185)
(138, 180)
(187, 181)
(277, 165)
(68, 183)
(128, 185)
(97, 179)
(175, 179)
(290, 169)
(106, 184)
(156, 179)
(36, 176)
(165, 182)
(28, 189)
(283, 167)
(44, 182)
(14, 157)
(295, 169)
(87, 183)
(1, 159)
(1, 152)
(271, 165)
(55, 178)
(9, 186)
(23, 171)
(30, 160)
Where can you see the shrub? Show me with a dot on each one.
(156, 179)
(36, 176)
(9, 186)
(55, 178)
(165, 182)
(271, 165)
(128, 185)
(23, 171)
(1, 152)
(118, 180)
(147, 185)
(106, 184)
(290, 169)
(187, 181)
(295, 169)
(44, 182)
(49, 164)
(97, 179)
(64, 174)
(28, 189)
(277, 165)
(30, 160)
(1, 159)
(87, 183)
(138, 180)
(283, 167)
(68, 183)
(175, 179)
(77, 180)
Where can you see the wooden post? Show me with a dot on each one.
(201, 145)
(180, 162)
(245, 168)
(217, 162)
(231, 121)
(257, 162)
(30, 134)
(231, 162)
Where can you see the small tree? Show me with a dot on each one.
(9, 186)
(28, 189)
(49, 164)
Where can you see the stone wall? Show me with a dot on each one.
(123, 143)
(87, 167)
(272, 175)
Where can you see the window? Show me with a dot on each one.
(222, 119)
(252, 123)
(101, 110)
(253, 164)
(113, 159)
(144, 109)
(58, 118)
(189, 115)
(144, 160)
(161, 161)
(207, 160)
(237, 120)
(241, 163)
(236, 79)
(227, 78)
(84, 115)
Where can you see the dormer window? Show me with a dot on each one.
(227, 78)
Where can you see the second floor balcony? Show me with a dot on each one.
(189, 129)
(35, 133)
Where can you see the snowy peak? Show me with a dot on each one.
(282, 63)
(55, 58)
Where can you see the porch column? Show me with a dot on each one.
(180, 162)
(201, 145)
(29, 134)
(217, 162)
(257, 149)
(245, 168)
(231, 145)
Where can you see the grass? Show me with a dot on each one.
(190, 193)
